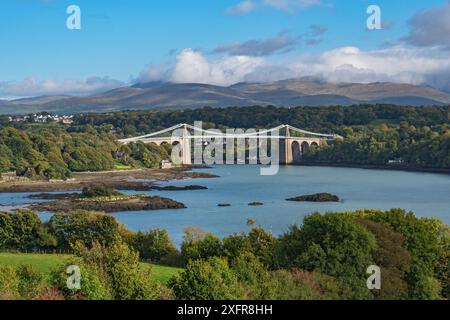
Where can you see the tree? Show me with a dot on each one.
(333, 245)
(425, 246)
(153, 245)
(85, 226)
(109, 273)
(210, 279)
(392, 257)
(200, 245)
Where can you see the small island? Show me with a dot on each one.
(224, 205)
(318, 197)
(255, 204)
(102, 198)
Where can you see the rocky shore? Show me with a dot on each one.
(128, 203)
(138, 180)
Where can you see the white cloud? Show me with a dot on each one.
(401, 64)
(243, 7)
(34, 87)
(192, 67)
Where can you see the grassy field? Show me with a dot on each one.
(45, 263)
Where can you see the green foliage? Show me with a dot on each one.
(199, 245)
(210, 279)
(56, 152)
(87, 227)
(108, 273)
(153, 245)
(332, 245)
(9, 283)
(392, 257)
(31, 282)
(99, 191)
(425, 246)
(23, 230)
(256, 280)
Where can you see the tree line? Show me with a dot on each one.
(55, 152)
(325, 258)
(373, 134)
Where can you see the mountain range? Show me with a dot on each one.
(287, 93)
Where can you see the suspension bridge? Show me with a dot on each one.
(293, 142)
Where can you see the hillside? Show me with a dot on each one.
(287, 93)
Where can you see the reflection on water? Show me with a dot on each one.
(425, 194)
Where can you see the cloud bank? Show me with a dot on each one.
(400, 64)
(33, 87)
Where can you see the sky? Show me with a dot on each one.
(218, 42)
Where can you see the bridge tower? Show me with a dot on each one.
(186, 151)
(285, 146)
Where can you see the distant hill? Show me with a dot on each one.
(158, 95)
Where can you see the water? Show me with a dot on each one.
(425, 194)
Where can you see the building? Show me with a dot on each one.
(165, 164)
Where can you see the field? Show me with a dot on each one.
(45, 263)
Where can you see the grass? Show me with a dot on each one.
(122, 167)
(46, 263)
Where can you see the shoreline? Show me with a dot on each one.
(375, 167)
(135, 180)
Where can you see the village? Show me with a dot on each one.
(42, 118)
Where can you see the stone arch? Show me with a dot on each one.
(314, 146)
(305, 147)
(163, 143)
(296, 152)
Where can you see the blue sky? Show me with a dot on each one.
(122, 41)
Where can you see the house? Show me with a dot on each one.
(165, 164)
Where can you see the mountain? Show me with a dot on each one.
(158, 95)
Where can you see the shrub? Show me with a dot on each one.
(393, 259)
(99, 191)
(94, 284)
(206, 280)
(31, 282)
(119, 266)
(333, 245)
(153, 245)
(9, 283)
(254, 277)
(199, 245)
(85, 226)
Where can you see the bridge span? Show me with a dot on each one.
(293, 142)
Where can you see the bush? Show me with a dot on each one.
(85, 226)
(199, 245)
(425, 245)
(333, 245)
(393, 259)
(254, 277)
(153, 245)
(114, 273)
(207, 280)
(99, 191)
(31, 282)
(94, 284)
(9, 283)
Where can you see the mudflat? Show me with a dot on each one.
(138, 179)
